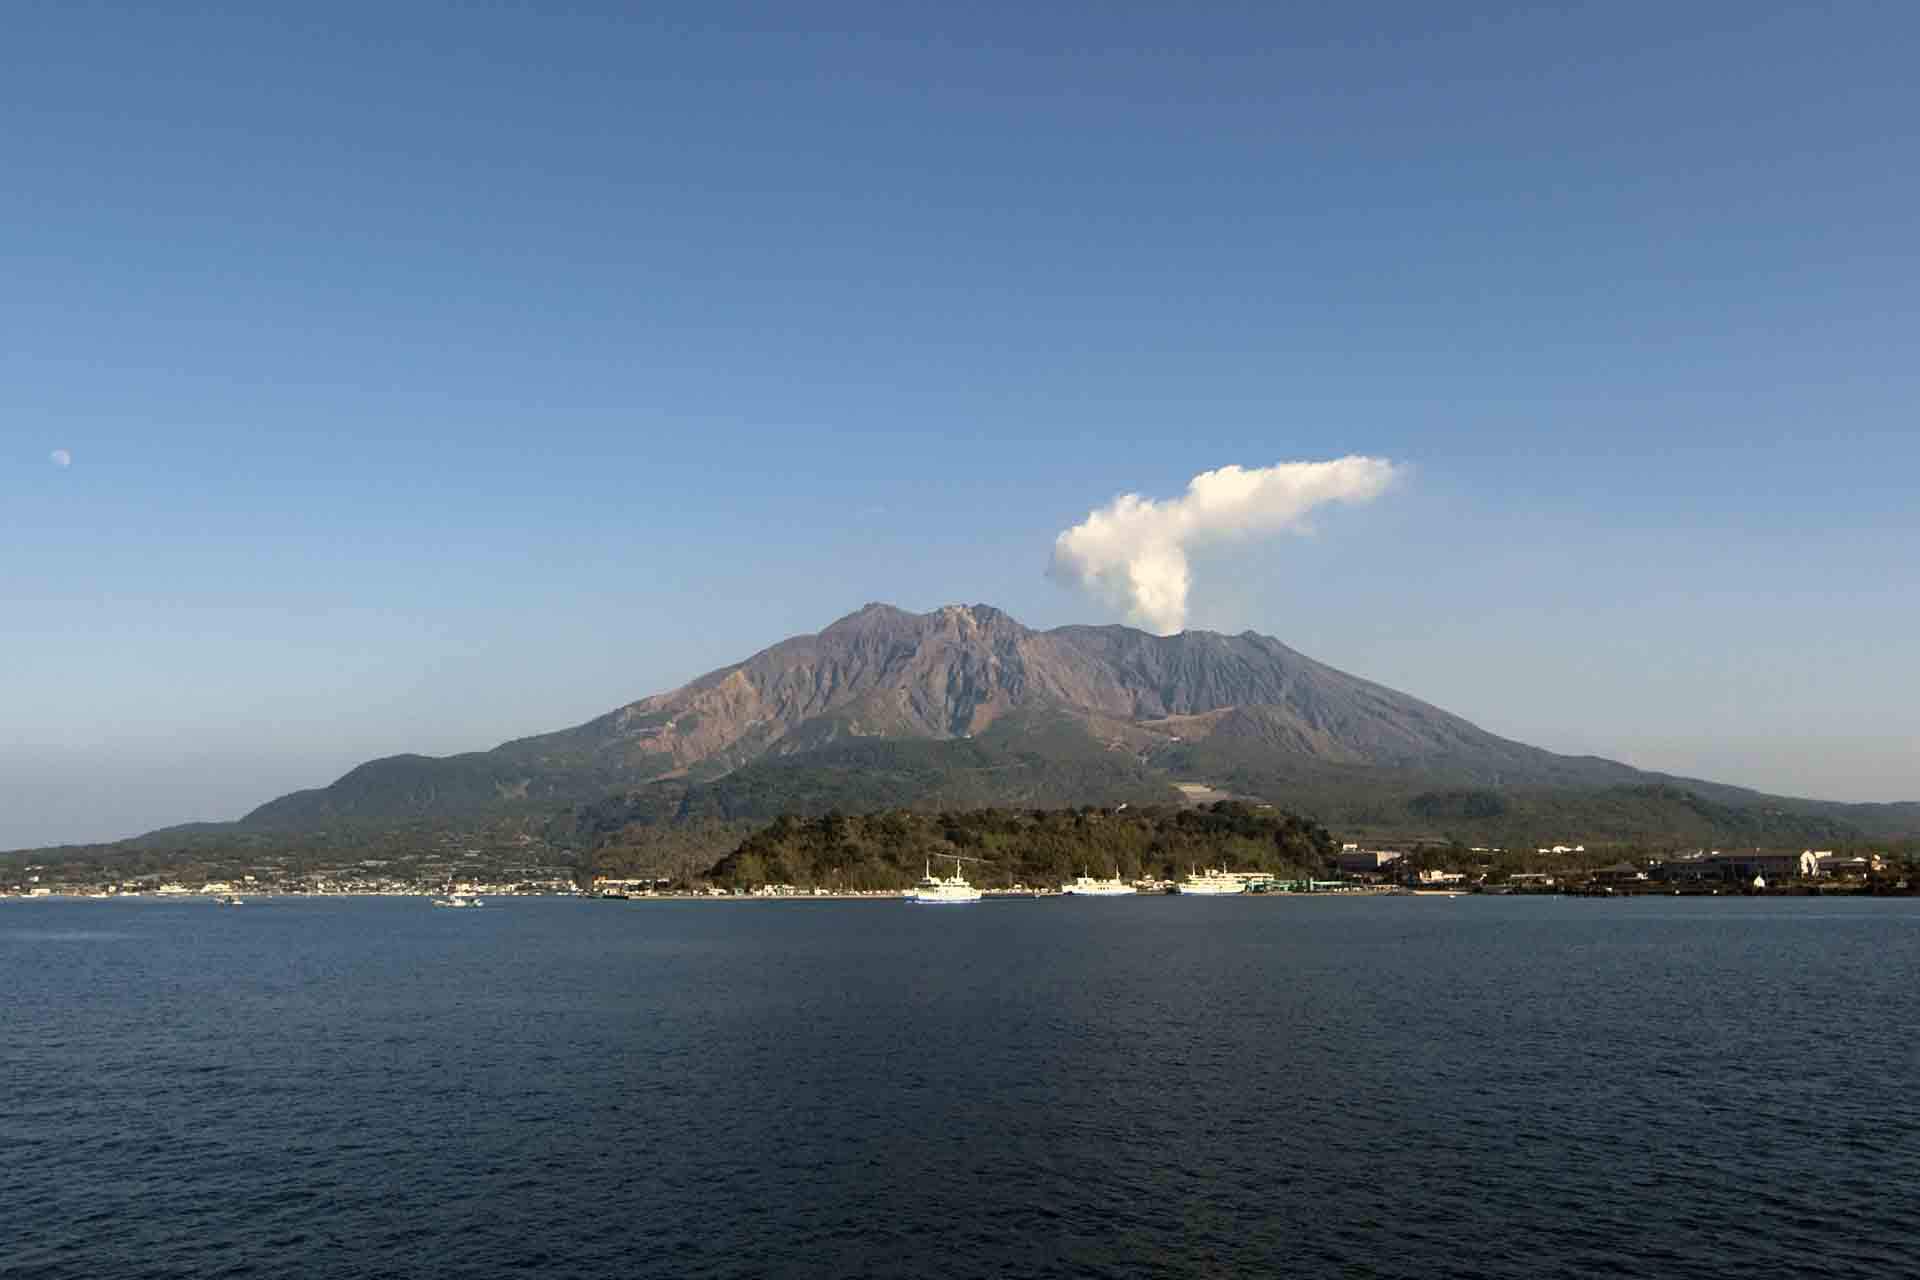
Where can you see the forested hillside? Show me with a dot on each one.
(1001, 847)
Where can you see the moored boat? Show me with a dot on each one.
(1213, 883)
(943, 890)
(1088, 887)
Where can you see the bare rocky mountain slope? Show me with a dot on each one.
(1162, 706)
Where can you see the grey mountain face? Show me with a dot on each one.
(949, 674)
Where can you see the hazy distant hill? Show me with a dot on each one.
(964, 706)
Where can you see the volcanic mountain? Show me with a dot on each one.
(965, 706)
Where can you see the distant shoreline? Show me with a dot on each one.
(1366, 894)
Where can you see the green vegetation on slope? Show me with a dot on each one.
(213, 851)
(1375, 803)
(890, 850)
(680, 852)
(657, 830)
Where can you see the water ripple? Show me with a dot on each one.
(1162, 1088)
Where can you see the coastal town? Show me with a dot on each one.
(1397, 871)
(469, 872)
(1695, 871)
(253, 886)
(1563, 869)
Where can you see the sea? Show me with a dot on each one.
(1147, 1087)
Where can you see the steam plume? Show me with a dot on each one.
(1132, 553)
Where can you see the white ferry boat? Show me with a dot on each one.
(1212, 883)
(1088, 887)
(938, 890)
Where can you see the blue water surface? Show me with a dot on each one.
(1152, 1087)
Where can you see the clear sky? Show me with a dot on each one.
(435, 376)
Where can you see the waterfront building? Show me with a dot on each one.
(1740, 867)
(1830, 864)
(1365, 862)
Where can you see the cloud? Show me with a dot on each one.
(61, 458)
(1132, 553)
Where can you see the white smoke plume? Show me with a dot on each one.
(1132, 553)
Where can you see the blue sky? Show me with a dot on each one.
(434, 376)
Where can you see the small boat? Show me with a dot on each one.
(943, 890)
(456, 898)
(227, 899)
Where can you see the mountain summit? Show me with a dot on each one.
(1243, 710)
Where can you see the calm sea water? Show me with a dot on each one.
(1159, 1087)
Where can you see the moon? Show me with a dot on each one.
(61, 458)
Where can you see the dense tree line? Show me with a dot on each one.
(663, 851)
(892, 848)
